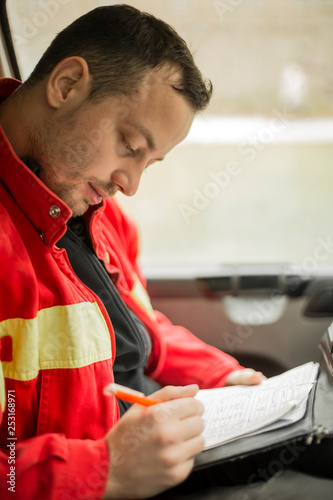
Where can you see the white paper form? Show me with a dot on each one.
(232, 412)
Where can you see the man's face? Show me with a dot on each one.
(97, 149)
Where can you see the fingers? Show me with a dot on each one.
(178, 408)
(153, 448)
(248, 376)
(175, 392)
(191, 427)
(174, 433)
(255, 378)
(181, 453)
(177, 402)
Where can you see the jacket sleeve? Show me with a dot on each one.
(51, 467)
(185, 359)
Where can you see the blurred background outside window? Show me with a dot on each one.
(253, 182)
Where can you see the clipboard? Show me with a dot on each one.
(315, 427)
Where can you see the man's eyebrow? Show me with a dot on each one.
(146, 134)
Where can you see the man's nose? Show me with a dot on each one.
(128, 179)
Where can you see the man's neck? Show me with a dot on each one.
(13, 122)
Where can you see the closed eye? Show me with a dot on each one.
(130, 149)
(127, 146)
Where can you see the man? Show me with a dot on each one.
(113, 94)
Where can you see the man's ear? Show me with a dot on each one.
(68, 81)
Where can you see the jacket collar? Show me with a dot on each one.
(45, 210)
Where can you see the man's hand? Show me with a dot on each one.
(245, 377)
(153, 448)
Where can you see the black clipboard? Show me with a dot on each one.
(315, 426)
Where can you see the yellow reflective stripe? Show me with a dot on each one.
(141, 297)
(58, 337)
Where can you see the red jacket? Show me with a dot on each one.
(57, 344)
(115, 241)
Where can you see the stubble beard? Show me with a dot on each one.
(58, 157)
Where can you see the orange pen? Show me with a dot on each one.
(126, 394)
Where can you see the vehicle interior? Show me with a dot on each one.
(236, 231)
(236, 223)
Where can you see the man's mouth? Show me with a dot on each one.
(96, 194)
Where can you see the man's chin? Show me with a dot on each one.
(79, 210)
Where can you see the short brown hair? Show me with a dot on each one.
(121, 45)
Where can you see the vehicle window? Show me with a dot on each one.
(253, 181)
